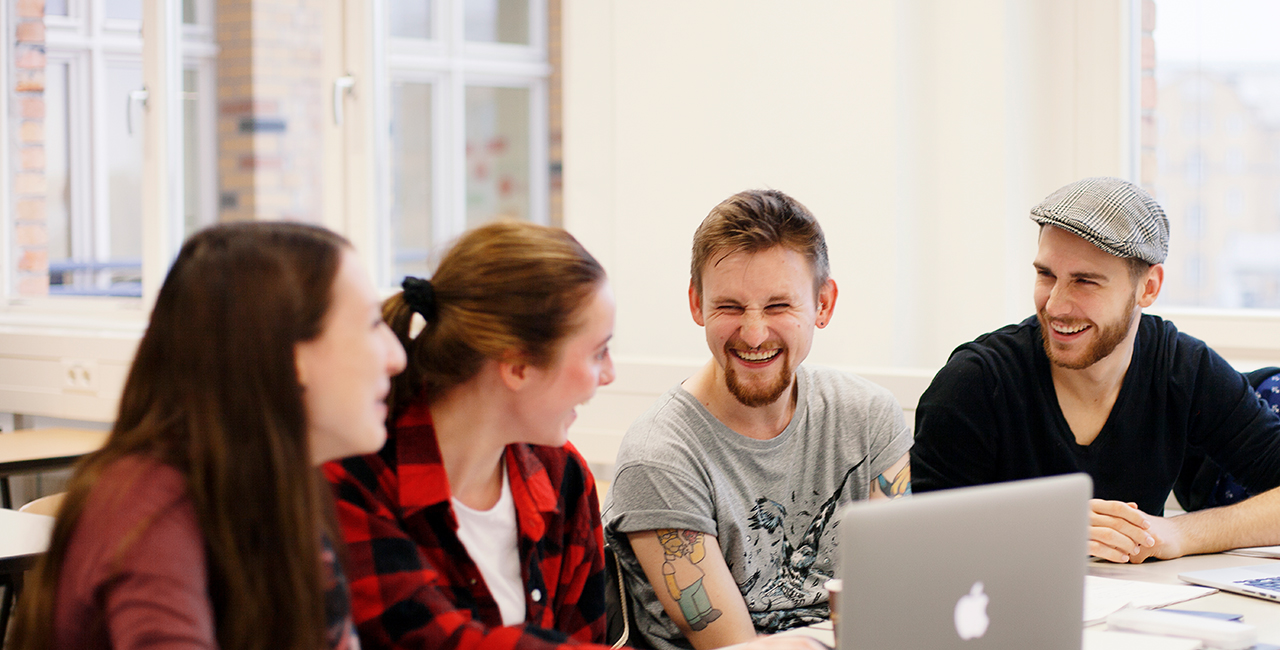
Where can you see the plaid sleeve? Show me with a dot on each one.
(400, 598)
(581, 610)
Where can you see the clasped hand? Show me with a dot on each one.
(1120, 532)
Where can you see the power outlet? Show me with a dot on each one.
(79, 375)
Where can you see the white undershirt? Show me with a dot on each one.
(490, 538)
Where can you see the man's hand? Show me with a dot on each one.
(1119, 532)
(1168, 536)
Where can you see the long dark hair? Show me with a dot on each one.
(213, 392)
(505, 287)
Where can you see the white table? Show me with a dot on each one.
(23, 537)
(1265, 615)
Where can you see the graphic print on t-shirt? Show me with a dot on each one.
(787, 596)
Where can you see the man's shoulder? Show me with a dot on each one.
(1014, 346)
(674, 419)
(834, 386)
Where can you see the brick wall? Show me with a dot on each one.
(271, 103)
(26, 97)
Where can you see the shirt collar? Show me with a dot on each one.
(423, 482)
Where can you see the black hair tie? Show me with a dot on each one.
(420, 296)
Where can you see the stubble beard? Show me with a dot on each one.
(754, 396)
(1108, 339)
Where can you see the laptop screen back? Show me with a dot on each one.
(994, 567)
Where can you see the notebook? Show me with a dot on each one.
(994, 567)
(1258, 580)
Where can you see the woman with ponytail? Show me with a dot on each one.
(478, 525)
(203, 523)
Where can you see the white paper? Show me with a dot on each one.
(1099, 639)
(1105, 596)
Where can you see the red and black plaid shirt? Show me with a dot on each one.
(414, 586)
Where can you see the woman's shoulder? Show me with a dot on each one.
(134, 493)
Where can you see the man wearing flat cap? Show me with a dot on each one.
(1091, 384)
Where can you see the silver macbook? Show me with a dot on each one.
(994, 567)
(1258, 580)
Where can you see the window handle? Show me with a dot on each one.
(342, 86)
(135, 97)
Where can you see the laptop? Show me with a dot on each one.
(993, 567)
(1258, 580)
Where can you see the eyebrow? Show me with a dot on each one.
(768, 301)
(1079, 275)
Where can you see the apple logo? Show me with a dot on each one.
(971, 613)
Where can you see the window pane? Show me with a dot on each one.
(189, 16)
(124, 9)
(55, 7)
(498, 21)
(120, 235)
(410, 179)
(191, 153)
(57, 172)
(1216, 129)
(409, 18)
(497, 154)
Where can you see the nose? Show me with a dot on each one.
(753, 330)
(607, 374)
(396, 359)
(1058, 302)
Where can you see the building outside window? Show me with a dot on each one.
(1217, 78)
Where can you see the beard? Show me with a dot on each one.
(1109, 337)
(755, 395)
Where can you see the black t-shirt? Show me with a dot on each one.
(991, 414)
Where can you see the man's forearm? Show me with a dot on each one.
(1252, 522)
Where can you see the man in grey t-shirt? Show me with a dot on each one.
(722, 507)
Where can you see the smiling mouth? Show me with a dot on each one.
(1068, 330)
(756, 356)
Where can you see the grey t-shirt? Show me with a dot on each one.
(770, 503)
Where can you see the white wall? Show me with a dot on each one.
(920, 132)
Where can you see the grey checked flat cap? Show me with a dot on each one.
(1112, 214)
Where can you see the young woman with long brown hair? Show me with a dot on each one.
(203, 522)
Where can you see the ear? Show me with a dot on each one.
(695, 306)
(514, 370)
(302, 363)
(1150, 286)
(826, 302)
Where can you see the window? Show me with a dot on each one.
(465, 134)
(92, 102)
(1218, 77)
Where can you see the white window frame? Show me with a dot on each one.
(450, 65)
(162, 190)
(1248, 338)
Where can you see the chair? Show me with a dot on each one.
(617, 606)
(12, 582)
(1202, 483)
(46, 505)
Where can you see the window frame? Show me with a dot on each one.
(450, 64)
(1248, 338)
(119, 41)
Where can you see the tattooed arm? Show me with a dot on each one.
(895, 482)
(695, 587)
